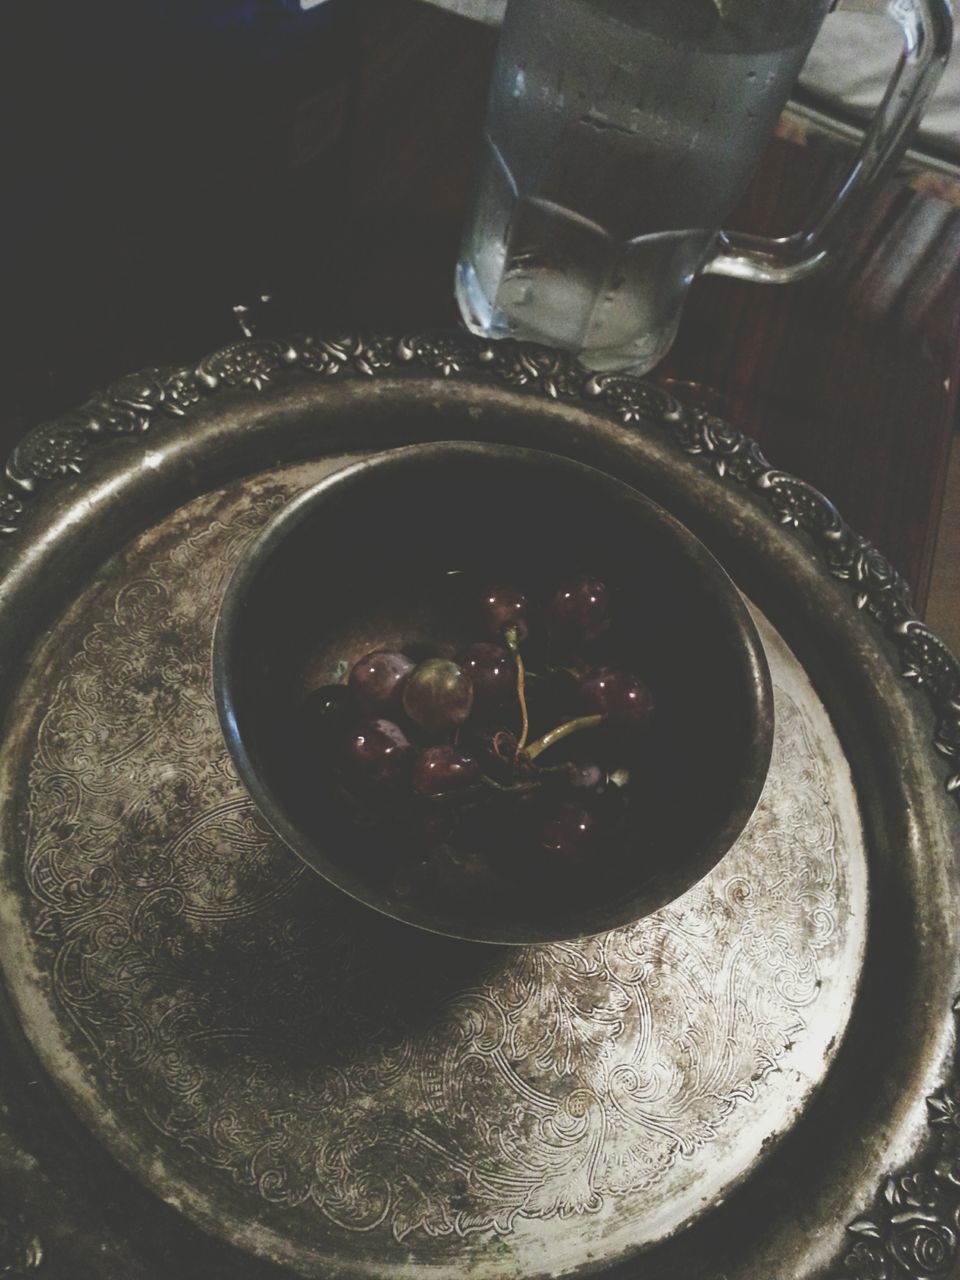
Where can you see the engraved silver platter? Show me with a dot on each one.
(213, 1064)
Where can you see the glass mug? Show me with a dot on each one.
(619, 136)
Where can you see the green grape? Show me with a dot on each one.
(438, 695)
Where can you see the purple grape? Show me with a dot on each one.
(578, 612)
(378, 754)
(618, 695)
(443, 769)
(430, 828)
(569, 835)
(376, 679)
(493, 672)
(503, 606)
(583, 779)
(438, 695)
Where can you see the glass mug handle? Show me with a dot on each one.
(927, 26)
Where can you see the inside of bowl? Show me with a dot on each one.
(395, 556)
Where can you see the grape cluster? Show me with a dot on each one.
(484, 767)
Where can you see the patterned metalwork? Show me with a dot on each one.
(57, 449)
(627, 1078)
(912, 1229)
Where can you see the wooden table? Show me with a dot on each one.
(151, 201)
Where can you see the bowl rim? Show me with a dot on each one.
(299, 509)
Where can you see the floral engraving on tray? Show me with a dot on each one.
(52, 454)
(53, 451)
(248, 1013)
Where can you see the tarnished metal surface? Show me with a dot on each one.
(377, 1100)
(154, 1015)
(709, 665)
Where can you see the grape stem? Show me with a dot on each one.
(513, 644)
(477, 795)
(512, 788)
(560, 732)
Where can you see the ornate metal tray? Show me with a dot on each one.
(215, 1065)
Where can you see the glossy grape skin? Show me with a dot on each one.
(569, 835)
(503, 606)
(378, 754)
(375, 681)
(492, 671)
(619, 695)
(430, 827)
(578, 779)
(577, 613)
(443, 769)
(438, 695)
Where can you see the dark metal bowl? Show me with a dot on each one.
(360, 562)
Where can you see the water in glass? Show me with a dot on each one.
(619, 136)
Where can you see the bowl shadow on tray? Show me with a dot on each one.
(337, 983)
(386, 555)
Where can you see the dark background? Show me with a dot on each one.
(168, 161)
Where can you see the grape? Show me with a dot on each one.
(377, 753)
(578, 612)
(430, 827)
(493, 672)
(617, 694)
(470, 813)
(376, 679)
(438, 695)
(569, 835)
(501, 607)
(444, 769)
(572, 776)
